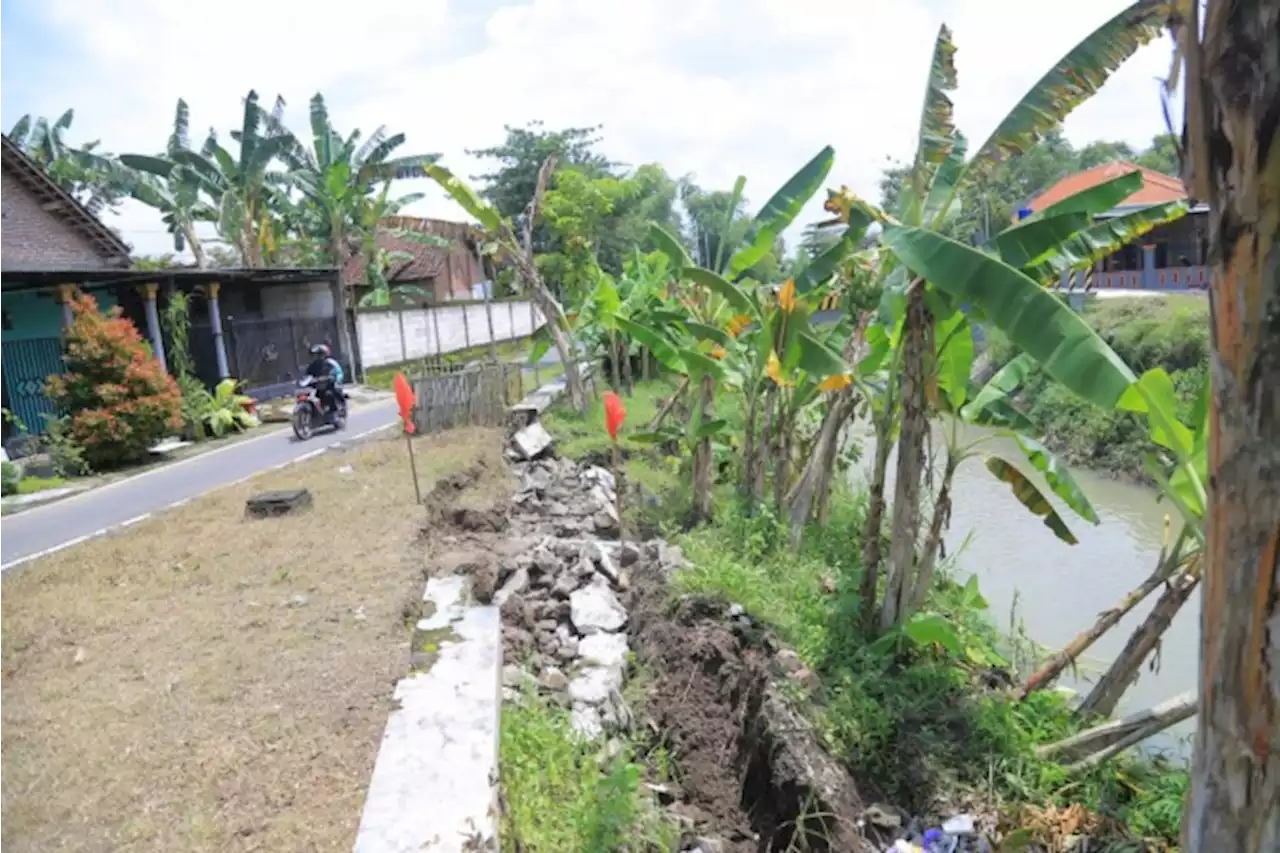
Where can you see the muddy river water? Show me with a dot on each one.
(1058, 589)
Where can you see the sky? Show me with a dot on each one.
(711, 88)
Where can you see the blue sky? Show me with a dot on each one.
(715, 88)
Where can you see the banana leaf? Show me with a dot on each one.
(735, 199)
(659, 347)
(465, 197)
(671, 247)
(955, 357)
(1096, 199)
(1057, 476)
(1101, 239)
(1028, 243)
(825, 265)
(730, 292)
(1031, 497)
(781, 210)
(937, 138)
(1000, 386)
(1035, 321)
(1073, 80)
(703, 332)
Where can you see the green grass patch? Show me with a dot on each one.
(563, 795)
(581, 434)
(1170, 332)
(31, 485)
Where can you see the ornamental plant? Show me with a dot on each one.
(117, 399)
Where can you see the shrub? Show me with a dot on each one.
(9, 477)
(118, 399)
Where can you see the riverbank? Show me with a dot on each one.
(1169, 331)
(925, 731)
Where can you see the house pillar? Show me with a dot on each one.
(1149, 267)
(215, 323)
(66, 294)
(149, 292)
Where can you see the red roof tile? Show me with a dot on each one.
(1157, 188)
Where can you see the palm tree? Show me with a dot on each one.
(1233, 143)
(173, 189)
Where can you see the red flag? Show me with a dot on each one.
(404, 398)
(614, 414)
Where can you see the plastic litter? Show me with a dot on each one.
(961, 824)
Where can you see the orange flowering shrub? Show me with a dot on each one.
(117, 399)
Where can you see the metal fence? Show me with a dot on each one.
(478, 395)
(270, 352)
(27, 367)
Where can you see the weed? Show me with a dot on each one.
(559, 797)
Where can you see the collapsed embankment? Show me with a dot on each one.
(584, 613)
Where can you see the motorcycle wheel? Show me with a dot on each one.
(340, 418)
(302, 425)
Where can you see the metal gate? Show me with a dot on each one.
(27, 366)
(272, 352)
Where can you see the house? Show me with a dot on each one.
(443, 273)
(254, 324)
(1169, 257)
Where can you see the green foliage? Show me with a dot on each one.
(32, 485)
(227, 410)
(1171, 332)
(118, 398)
(10, 476)
(558, 799)
(66, 453)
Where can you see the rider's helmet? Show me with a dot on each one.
(320, 351)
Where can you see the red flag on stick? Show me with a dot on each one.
(405, 400)
(614, 415)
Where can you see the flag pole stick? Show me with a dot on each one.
(413, 465)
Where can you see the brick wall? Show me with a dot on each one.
(461, 326)
(31, 237)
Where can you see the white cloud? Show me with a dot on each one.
(713, 87)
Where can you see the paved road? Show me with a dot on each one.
(70, 520)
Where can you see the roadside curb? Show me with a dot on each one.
(311, 454)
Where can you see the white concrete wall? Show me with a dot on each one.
(461, 326)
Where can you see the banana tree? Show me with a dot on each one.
(920, 260)
(172, 189)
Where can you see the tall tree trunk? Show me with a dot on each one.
(1106, 694)
(826, 472)
(915, 426)
(1107, 619)
(874, 522)
(702, 457)
(341, 305)
(196, 245)
(933, 541)
(626, 365)
(1233, 131)
(644, 364)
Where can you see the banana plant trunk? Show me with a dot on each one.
(1107, 693)
(1233, 131)
(1106, 620)
(341, 305)
(764, 449)
(551, 313)
(196, 246)
(615, 373)
(627, 377)
(799, 501)
(911, 460)
(702, 457)
(782, 464)
(874, 521)
(933, 541)
(749, 460)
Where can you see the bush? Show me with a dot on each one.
(9, 477)
(118, 399)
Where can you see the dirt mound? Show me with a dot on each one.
(750, 767)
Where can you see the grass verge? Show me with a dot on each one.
(917, 727)
(208, 682)
(1170, 332)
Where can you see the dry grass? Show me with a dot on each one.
(207, 682)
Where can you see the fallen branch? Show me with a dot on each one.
(1104, 741)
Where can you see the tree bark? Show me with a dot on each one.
(1233, 131)
(915, 427)
(1107, 619)
(874, 522)
(782, 463)
(615, 369)
(626, 366)
(1106, 694)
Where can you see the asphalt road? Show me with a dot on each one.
(71, 520)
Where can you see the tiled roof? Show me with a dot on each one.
(427, 261)
(63, 205)
(1157, 188)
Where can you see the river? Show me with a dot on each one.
(1059, 589)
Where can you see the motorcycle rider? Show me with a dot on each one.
(324, 366)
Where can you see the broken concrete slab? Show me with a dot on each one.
(532, 441)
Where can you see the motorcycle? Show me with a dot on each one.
(309, 410)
